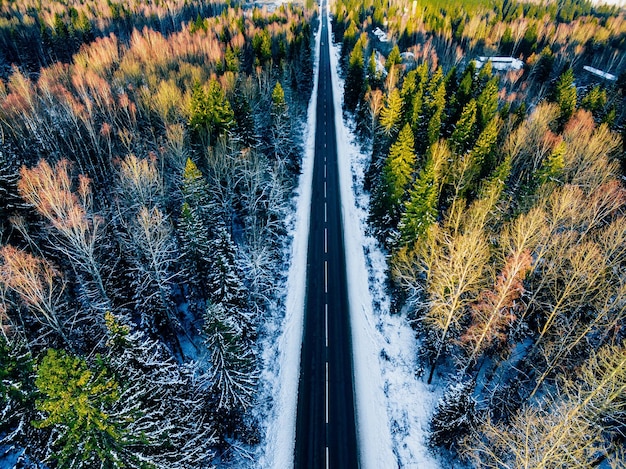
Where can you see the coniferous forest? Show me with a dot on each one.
(498, 195)
(149, 158)
(149, 151)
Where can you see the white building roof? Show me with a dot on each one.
(600, 73)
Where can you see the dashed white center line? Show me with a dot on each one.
(325, 276)
(326, 322)
(325, 212)
(325, 240)
(324, 189)
(324, 171)
(327, 392)
(327, 457)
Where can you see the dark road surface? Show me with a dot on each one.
(325, 427)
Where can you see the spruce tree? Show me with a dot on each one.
(421, 210)
(454, 417)
(396, 176)
(487, 103)
(565, 95)
(78, 402)
(355, 78)
(435, 103)
(391, 114)
(225, 284)
(463, 133)
(233, 375)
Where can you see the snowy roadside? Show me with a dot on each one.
(393, 404)
(282, 359)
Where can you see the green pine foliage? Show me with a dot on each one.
(422, 207)
(78, 402)
(565, 95)
(210, 113)
(389, 196)
(391, 114)
(355, 77)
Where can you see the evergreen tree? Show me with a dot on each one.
(396, 176)
(421, 210)
(233, 373)
(463, 133)
(17, 390)
(565, 95)
(210, 113)
(455, 415)
(245, 129)
(391, 114)
(393, 59)
(197, 194)
(196, 248)
(487, 103)
(355, 78)
(167, 400)
(225, 285)
(78, 403)
(435, 103)
(552, 168)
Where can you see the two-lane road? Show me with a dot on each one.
(325, 427)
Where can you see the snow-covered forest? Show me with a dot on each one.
(148, 157)
(497, 195)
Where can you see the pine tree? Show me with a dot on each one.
(233, 373)
(355, 78)
(463, 133)
(565, 95)
(78, 403)
(225, 285)
(455, 415)
(421, 210)
(396, 176)
(391, 114)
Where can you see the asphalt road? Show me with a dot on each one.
(325, 427)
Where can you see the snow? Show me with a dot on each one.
(393, 405)
(281, 426)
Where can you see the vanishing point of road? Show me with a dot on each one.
(325, 427)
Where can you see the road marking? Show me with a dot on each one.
(325, 212)
(324, 171)
(324, 189)
(327, 457)
(326, 322)
(325, 276)
(327, 392)
(325, 240)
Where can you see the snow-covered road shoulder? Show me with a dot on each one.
(393, 405)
